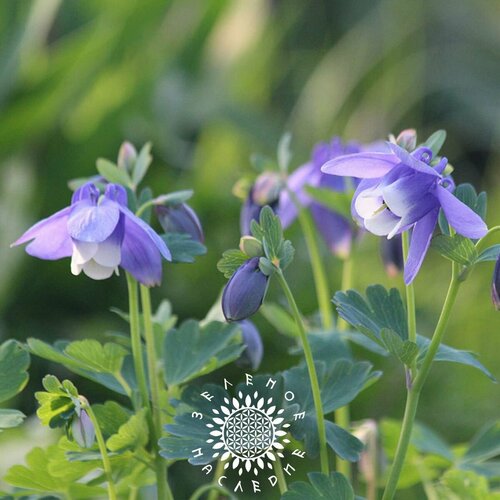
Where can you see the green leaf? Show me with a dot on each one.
(132, 434)
(452, 355)
(383, 310)
(272, 232)
(343, 443)
(405, 350)
(490, 254)
(456, 248)
(107, 358)
(334, 200)
(183, 247)
(485, 445)
(426, 440)
(145, 197)
(110, 417)
(435, 141)
(112, 173)
(286, 254)
(14, 362)
(466, 193)
(142, 163)
(280, 319)
(464, 485)
(231, 261)
(321, 487)
(10, 418)
(191, 351)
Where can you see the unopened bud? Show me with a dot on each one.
(267, 187)
(251, 357)
(407, 139)
(251, 246)
(180, 218)
(127, 156)
(495, 285)
(83, 430)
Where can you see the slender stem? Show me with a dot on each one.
(209, 487)
(318, 269)
(410, 301)
(161, 466)
(217, 474)
(135, 339)
(104, 452)
(278, 469)
(313, 376)
(126, 387)
(481, 244)
(342, 415)
(414, 391)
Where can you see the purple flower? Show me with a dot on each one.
(251, 357)
(495, 285)
(334, 228)
(82, 430)
(400, 191)
(180, 218)
(99, 233)
(244, 292)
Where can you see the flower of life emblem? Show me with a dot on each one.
(248, 433)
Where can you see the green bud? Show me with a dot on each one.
(251, 246)
(127, 156)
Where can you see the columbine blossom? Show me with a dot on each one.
(335, 229)
(100, 234)
(251, 357)
(244, 292)
(401, 191)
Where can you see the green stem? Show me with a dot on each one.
(481, 244)
(410, 300)
(342, 415)
(415, 390)
(318, 269)
(135, 339)
(278, 469)
(217, 474)
(161, 466)
(211, 487)
(126, 387)
(312, 371)
(104, 452)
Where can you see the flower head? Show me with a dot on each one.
(100, 234)
(254, 350)
(401, 191)
(244, 292)
(180, 218)
(495, 285)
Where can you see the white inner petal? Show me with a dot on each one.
(382, 223)
(97, 272)
(108, 254)
(369, 202)
(83, 251)
(76, 268)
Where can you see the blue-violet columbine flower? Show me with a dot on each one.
(251, 357)
(99, 233)
(399, 191)
(335, 229)
(495, 285)
(180, 218)
(244, 292)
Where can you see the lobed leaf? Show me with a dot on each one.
(14, 362)
(112, 173)
(320, 487)
(456, 248)
(183, 247)
(231, 261)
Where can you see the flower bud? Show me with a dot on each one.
(407, 139)
(83, 430)
(372, 460)
(244, 292)
(251, 357)
(251, 246)
(392, 255)
(180, 218)
(495, 285)
(127, 156)
(267, 187)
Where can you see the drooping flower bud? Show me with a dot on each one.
(407, 139)
(251, 246)
(83, 430)
(251, 357)
(372, 460)
(244, 292)
(495, 285)
(267, 187)
(127, 156)
(180, 218)
(392, 255)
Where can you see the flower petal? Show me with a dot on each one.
(362, 165)
(50, 235)
(383, 223)
(369, 202)
(411, 161)
(109, 251)
(83, 251)
(462, 218)
(91, 222)
(419, 244)
(97, 272)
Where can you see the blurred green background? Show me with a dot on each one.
(209, 82)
